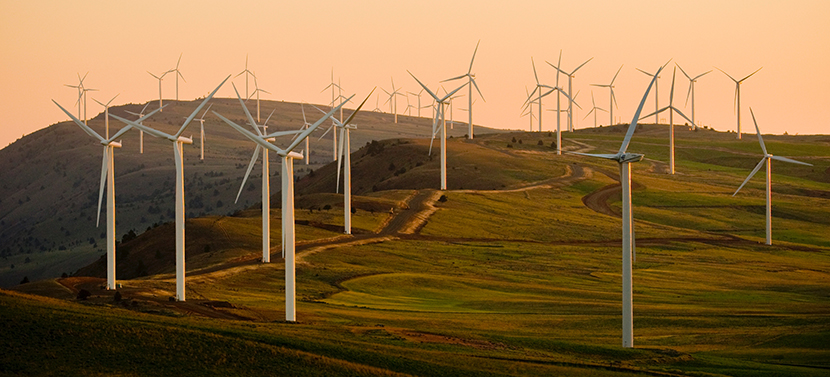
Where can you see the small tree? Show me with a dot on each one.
(117, 297)
(540, 143)
(25, 280)
(354, 210)
(83, 294)
(442, 199)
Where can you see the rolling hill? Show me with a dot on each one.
(49, 193)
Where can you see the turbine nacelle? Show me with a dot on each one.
(184, 140)
(630, 157)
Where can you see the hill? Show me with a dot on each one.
(49, 193)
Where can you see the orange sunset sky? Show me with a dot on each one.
(293, 46)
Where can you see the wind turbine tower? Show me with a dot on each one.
(691, 92)
(471, 83)
(613, 100)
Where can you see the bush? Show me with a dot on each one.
(25, 280)
(327, 207)
(552, 145)
(509, 145)
(442, 199)
(354, 210)
(540, 143)
(83, 294)
(514, 139)
(117, 297)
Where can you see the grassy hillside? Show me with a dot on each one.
(49, 194)
(515, 271)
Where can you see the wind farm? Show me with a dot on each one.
(503, 248)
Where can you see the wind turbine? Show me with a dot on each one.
(538, 89)
(178, 73)
(692, 81)
(346, 159)
(470, 83)
(529, 110)
(333, 99)
(594, 109)
(288, 156)
(419, 101)
(558, 110)
(178, 141)
(613, 99)
(738, 95)
(80, 88)
(671, 110)
(656, 95)
(625, 159)
(768, 159)
(140, 132)
(108, 176)
(441, 102)
(246, 72)
(159, 78)
(201, 132)
(266, 175)
(257, 90)
(571, 76)
(393, 102)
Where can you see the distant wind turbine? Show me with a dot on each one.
(768, 159)
(159, 78)
(441, 102)
(178, 74)
(257, 90)
(691, 92)
(738, 95)
(671, 110)
(81, 92)
(656, 93)
(108, 176)
(571, 76)
(140, 132)
(628, 249)
(202, 133)
(393, 101)
(178, 142)
(246, 72)
(613, 100)
(470, 83)
(594, 109)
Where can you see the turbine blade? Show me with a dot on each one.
(655, 112)
(199, 108)
(349, 119)
(724, 72)
(474, 57)
(758, 130)
(757, 167)
(250, 135)
(472, 80)
(419, 83)
(756, 71)
(580, 66)
(313, 127)
(615, 75)
(779, 158)
(455, 78)
(633, 126)
(104, 168)
(83, 126)
(682, 115)
(684, 72)
(606, 156)
(248, 172)
(247, 113)
(144, 128)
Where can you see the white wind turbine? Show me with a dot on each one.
(334, 97)
(671, 110)
(538, 89)
(440, 113)
(266, 175)
(159, 78)
(393, 101)
(470, 83)
(80, 88)
(594, 109)
(571, 76)
(691, 92)
(287, 156)
(201, 133)
(257, 90)
(346, 160)
(625, 159)
(140, 132)
(178, 141)
(108, 176)
(419, 101)
(613, 100)
(178, 74)
(738, 95)
(558, 108)
(768, 159)
(656, 94)
(246, 72)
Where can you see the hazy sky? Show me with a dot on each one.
(293, 47)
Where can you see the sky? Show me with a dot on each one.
(294, 46)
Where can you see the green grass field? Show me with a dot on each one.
(522, 282)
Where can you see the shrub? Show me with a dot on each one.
(117, 297)
(25, 280)
(442, 199)
(83, 294)
(540, 143)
